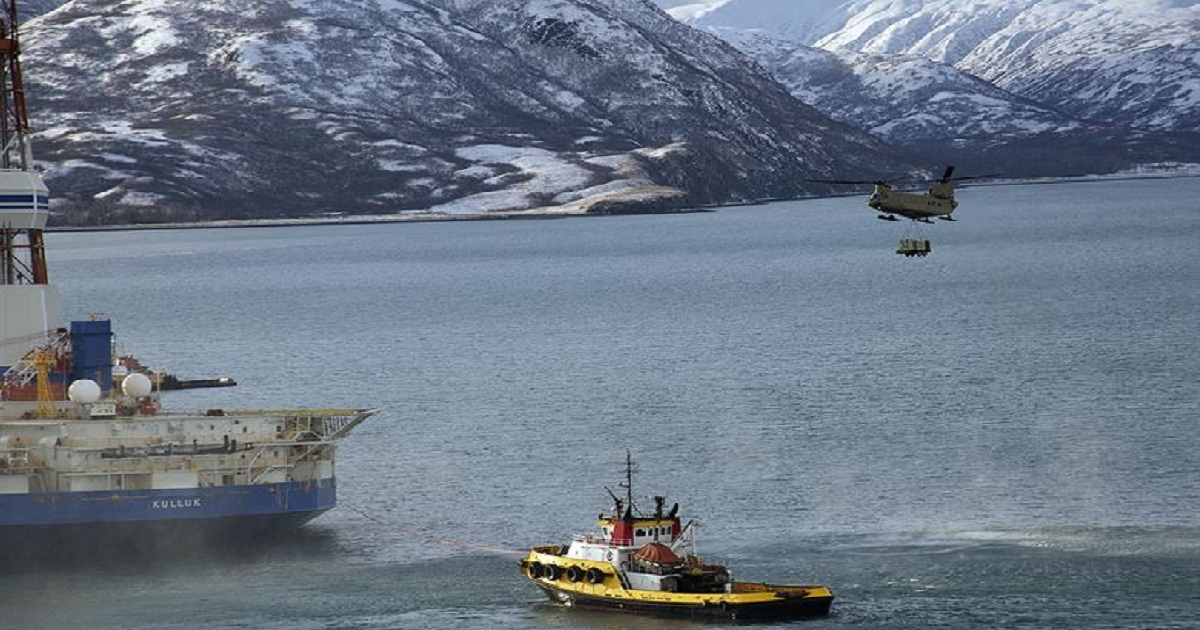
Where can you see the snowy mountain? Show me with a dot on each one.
(1087, 85)
(901, 98)
(151, 110)
(33, 8)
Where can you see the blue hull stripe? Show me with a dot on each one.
(41, 509)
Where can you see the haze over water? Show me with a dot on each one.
(1001, 435)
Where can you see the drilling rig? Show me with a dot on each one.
(30, 307)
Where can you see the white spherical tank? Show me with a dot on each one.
(84, 391)
(137, 385)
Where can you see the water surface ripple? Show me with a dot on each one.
(1001, 435)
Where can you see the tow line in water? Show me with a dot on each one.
(425, 538)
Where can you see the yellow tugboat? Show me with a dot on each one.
(647, 563)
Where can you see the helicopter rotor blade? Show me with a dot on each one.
(947, 177)
(854, 182)
(838, 181)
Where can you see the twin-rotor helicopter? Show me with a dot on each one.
(891, 204)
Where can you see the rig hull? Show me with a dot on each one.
(38, 511)
(135, 522)
(131, 484)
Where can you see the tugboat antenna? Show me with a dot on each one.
(628, 483)
(618, 510)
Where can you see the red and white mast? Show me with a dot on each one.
(29, 305)
(15, 129)
(24, 206)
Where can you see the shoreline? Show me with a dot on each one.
(354, 219)
(546, 213)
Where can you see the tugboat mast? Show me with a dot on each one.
(629, 479)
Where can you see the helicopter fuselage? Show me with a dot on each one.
(938, 202)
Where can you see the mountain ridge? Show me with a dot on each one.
(1112, 84)
(150, 112)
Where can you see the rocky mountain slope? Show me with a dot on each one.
(1081, 87)
(33, 8)
(152, 110)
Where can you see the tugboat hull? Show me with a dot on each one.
(786, 608)
(646, 563)
(599, 585)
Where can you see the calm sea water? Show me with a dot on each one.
(1001, 435)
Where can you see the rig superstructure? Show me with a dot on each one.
(88, 456)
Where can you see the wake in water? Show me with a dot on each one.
(1174, 542)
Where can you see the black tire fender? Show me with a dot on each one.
(574, 573)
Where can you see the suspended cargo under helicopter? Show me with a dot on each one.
(920, 207)
(914, 247)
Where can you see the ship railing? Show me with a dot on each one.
(265, 471)
(134, 461)
(685, 542)
(326, 424)
(333, 425)
(15, 461)
(155, 458)
(254, 478)
(310, 447)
